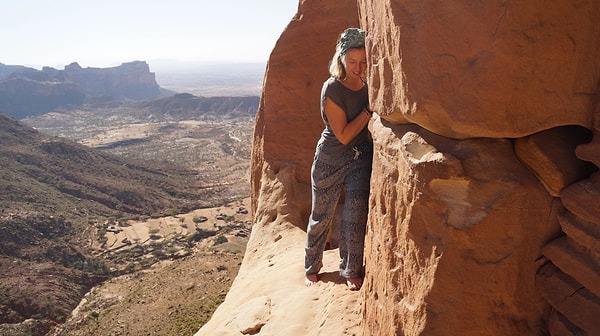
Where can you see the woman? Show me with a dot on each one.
(342, 162)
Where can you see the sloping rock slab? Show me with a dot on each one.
(551, 156)
(558, 325)
(577, 304)
(575, 263)
(581, 198)
(585, 233)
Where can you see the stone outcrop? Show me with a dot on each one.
(295, 73)
(467, 70)
(570, 281)
(455, 229)
(482, 73)
(483, 209)
(551, 156)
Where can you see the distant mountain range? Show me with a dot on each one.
(26, 91)
(220, 90)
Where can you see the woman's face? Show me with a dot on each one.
(355, 62)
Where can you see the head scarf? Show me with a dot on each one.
(351, 38)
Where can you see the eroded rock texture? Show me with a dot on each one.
(484, 69)
(459, 228)
(484, 212)
(288, 122)
(456, 227)
(571, 280)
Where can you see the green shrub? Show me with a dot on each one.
(199, 235)
(199, 219)
(221, 240)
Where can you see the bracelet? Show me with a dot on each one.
(369, 112)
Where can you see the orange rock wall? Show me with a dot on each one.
(456, 229)
(471, 180)
(483, 69)
(288, 122)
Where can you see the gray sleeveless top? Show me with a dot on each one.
(352, 102)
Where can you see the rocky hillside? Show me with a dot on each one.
(21, 96)
(483, 210)
(55, 195)
(26, 91)
(56, 170)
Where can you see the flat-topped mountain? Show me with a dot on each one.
(26, 91)
(131, 80)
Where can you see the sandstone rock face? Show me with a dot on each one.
(483, 72)
(551, 156)
(288, 122)
(484, 212)
(489, 69)
(570, 281)
(455, 229)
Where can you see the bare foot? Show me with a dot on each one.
(310, 280)
(354, 283)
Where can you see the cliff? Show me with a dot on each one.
(483, 209)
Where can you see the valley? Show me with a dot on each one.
(218, 149)
(160, 271)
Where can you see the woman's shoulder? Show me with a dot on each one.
(332, 84)
(331, 81)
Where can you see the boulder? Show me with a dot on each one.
(502, 69)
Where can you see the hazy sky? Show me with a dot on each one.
(105, 33)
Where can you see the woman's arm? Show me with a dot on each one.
(344, 131)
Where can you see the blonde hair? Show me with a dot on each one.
(336, 66)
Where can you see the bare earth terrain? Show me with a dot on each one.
(175, 296)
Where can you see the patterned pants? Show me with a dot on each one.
(349, 170)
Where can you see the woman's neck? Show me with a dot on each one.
(353, 83)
